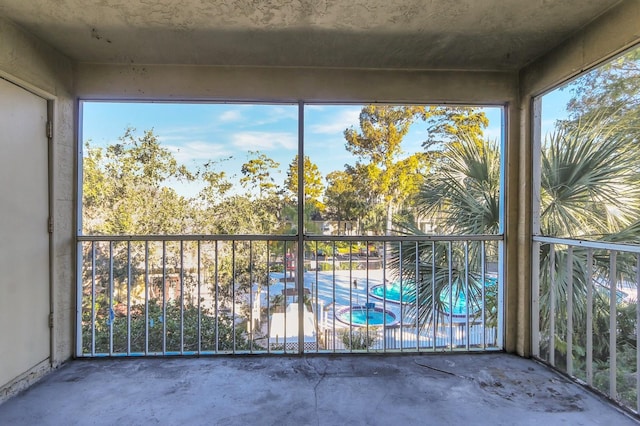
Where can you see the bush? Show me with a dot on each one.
(359, 338)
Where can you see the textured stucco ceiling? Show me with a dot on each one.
(412, 34)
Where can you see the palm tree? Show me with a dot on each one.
(462, 196)
(589, 189)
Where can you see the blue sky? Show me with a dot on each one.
(200, 132)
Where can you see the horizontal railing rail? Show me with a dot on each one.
(586, 315)
(278, 237)
(220, 294)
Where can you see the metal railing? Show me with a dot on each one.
(215, 294)
(579, 327)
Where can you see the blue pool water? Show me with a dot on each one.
(393, 291)
(360, 315)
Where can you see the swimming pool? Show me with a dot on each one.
(393, 291)
(361, 315)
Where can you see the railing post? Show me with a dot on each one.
(613, 299)
(570, 310)
(146, 297)
(199, 326)
(93, 298)
(483, 277)
(449, 274)
(129, 297)
(79, 298)
(637, 332)
(552, 305)
(181, 297)
(164, 297)
(535, 299)
(110, 316)
(589, 282)
(300, 251)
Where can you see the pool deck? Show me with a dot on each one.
(428, 389)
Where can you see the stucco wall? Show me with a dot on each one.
(608, 35)
(30, 63)
(132, 81)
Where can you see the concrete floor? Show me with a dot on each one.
(491, 389)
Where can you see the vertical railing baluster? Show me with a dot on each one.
(284, 298)
(164, 297)
(317, 303)
(401, 270)
(146, 297)
(128, 297)
(93, 298)
(199, 325)
(501, 290)
(552, 304)
(483, 277)
(637, 332)
(366, 289)
(613, 296)
(351, 296)
(233, 294)
(268, 298)
(333, 257)
(110, 317)
(466, 291)
(589, 283)
(181, 297)
(384, 297)
(450, 275)
(251, 322)
(216, 287)
(569, 360)
(434, 314)
(417, 291)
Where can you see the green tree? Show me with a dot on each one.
(257, 172)
(126, 188)
(611, 91)
(343, 200)
(217, 184)
(313, 186)
(389, 174)
(448, 124)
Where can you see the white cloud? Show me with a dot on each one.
(230, 115)
(197, 151)
(264, 141)
(339, 123)
(181, 131)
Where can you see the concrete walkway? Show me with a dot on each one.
(434, 389)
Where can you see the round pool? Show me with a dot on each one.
(361, 315)
(393, 291)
